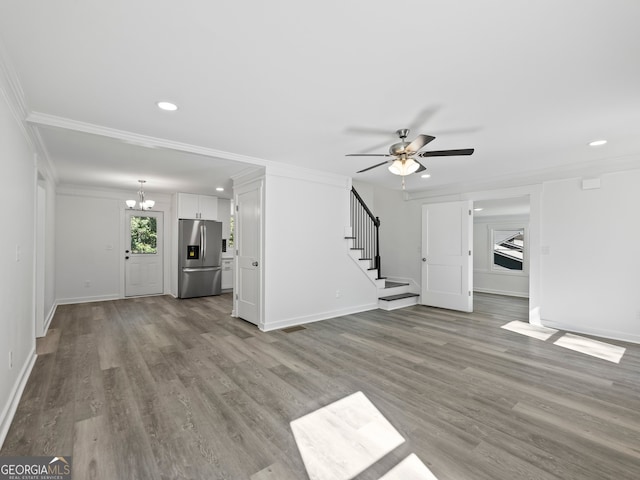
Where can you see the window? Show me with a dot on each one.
(508, 249)
(144, 235)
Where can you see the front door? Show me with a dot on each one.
(143, 270)
(447, 262)
(248, 244)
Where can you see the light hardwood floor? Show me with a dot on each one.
(160, 388)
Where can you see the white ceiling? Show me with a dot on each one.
(527, 84)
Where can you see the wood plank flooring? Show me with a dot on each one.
(160, 388)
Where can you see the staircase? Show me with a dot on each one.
(363, 241)
(396, 295)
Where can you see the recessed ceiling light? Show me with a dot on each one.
(597, 143)
(425, 175)
(168, 106)
(479, 209)
(219, 189)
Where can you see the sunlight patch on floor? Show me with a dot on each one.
(535, 331)
(344, 438)
(411, 468)
(341, 440)
(588, 346)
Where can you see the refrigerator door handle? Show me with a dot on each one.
(200, 269)
(204, 243)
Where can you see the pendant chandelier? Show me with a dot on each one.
(142, 203)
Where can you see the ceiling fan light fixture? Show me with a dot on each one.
(425, 175)
(404, 167)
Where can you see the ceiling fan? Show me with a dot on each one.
(401, 154)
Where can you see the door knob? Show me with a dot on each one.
(424, 259)
(255, 264)
(127, 257)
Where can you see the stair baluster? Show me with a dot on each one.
(365, 229)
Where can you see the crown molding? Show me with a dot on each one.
(310, 175)
(11, 90)
(590, 169)
(44, 119)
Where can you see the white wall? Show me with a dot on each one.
(307, 262)
(90, 243)
(17, 197)
(400, 235)
(487, 280)
(590, 276)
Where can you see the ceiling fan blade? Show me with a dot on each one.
(369, 131)
(367, 155)
(373, 166)
(423, 117)
(447, 153)
(418, 143)
(422, 167)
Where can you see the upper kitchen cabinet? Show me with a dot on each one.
(224, 215)
(195, 206)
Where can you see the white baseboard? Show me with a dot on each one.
(9, 410)
(292, 322)
(596, 332)
(97, 298)
(501, 292)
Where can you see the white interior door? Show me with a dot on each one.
(249, 244)
(447, 261)
(143, 267)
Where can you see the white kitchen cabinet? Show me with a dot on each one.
(194, 206)
(224, 214)
(227, 273)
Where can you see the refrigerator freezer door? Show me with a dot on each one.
(199, 282)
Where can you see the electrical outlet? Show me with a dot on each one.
(87, 283)
(338, 294)
(18, 255)
(10, 358)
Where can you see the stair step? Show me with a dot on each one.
(390, 284)
(356, 248)
(349, 238)
(381, 278)
(399, 296)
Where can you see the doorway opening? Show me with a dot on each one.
(501, 246)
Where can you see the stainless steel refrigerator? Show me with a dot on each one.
(199, 263)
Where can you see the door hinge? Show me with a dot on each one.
(469, 252)
(237, 208)
(236, 296)
(469, 212)
(469, 292)
(236, 253)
